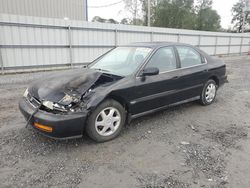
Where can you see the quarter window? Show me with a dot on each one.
(164, 59)
(188, 56)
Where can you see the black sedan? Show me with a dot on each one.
(125, 83)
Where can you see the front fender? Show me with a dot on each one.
(97, 96)
(95, 101)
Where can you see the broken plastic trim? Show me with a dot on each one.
(36, 110)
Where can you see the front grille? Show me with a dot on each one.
(33, 101)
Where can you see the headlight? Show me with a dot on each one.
(67, 99)
(49, 104)
(26, 92)
(54, 106)
(59, 107)
(64, 105)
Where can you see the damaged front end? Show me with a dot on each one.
(63, 106)
(66, 104)
(58, 106)
(68, 96)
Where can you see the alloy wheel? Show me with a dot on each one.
(210, 92)
(107, 121)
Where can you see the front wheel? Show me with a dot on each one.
(208, 93)
(106, 121)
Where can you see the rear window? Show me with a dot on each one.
(188, 56)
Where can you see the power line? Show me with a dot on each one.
(103, 6)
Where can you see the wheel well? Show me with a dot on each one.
(120, 100)
(215, 78)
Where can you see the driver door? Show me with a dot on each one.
(156, 91)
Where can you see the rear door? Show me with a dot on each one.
(152, 92)
(194, 71)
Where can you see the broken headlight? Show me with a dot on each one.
(48, 104)
(54, 106)
(64, 105)
(67, 99)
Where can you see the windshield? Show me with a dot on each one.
(122, 60)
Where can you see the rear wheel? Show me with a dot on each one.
(208, 93)
(106, 121)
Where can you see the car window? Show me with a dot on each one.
(118, 56)
(188, 56)
(122, 60)
(164, 59)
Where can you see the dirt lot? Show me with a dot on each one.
(185, 146)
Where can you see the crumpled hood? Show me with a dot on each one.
(72, 82)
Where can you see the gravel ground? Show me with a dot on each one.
(185, 146)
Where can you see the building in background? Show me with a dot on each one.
(62, 9)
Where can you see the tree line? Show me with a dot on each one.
(181, 14)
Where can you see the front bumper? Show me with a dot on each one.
(63, 126)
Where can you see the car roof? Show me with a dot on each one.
(155, 44)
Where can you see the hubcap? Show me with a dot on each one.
(107, 121)
(210, 92)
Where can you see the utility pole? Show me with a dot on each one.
(148, 13)
(244, 20)
(86, 9)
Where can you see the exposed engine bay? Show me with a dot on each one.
(67, 96)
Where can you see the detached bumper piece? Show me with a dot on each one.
(58, 126)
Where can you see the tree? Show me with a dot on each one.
(136, 21)
(207, 18)
(238, 15)
(175, 14)
(125, 21)
(103, 20)
(112, 21)
(182, 14)
(153, 4)
(98, 19)
(134, 8)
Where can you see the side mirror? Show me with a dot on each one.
(149, 71)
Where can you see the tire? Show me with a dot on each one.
(106, 121)
(205, 97)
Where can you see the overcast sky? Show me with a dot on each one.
(117, 11)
